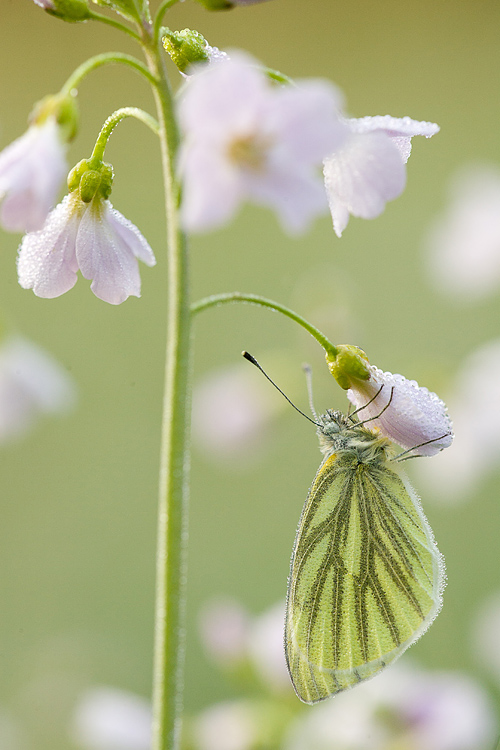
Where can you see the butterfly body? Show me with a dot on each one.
(366, 576)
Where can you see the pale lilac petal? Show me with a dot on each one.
(32, 170)
(415, 417)
(105, 258)
(111, 719)
(224, 626)
(47, 261)
(308, 121)
(296, 197)
(246, 138)
(131, 236)
(265, 644)
(363, 175)
(400, 129)
(212, 190)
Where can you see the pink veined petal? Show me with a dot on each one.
(365, 174)
(105, 258)
(131, 236)
(393, 126)
(47, 261)
(32, 169)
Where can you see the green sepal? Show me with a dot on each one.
(132, 10)
(185, 47)
(348, 364)
(69, 10)
(90, 179)
(61, 106)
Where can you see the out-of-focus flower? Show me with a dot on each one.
(31, 384)
(231, 411)
(111, 719)
(68, 10)
(32, 170)
(90, 236)
(226, 726)
(265, 647)
(402, 708)
(369, 169)
(476, 447)
(463, 245)
(224, 626)
(249, 139)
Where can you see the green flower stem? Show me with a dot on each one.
(254, 299)
(112, 122)
(113, 22)
(168, 664)
(165, 5)
(106, 58)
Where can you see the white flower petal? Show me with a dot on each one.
(32, 170)
(409, 415)
(105, 258)
(247, 138)
(131, 236)
(363, 175)
(226, 726)
(47, 261)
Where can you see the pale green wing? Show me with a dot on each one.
(366, 577)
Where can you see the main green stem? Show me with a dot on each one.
(168, 668)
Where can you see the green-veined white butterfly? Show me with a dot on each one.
(366, 577)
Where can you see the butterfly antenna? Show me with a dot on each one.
(254, 362)
(308, 373)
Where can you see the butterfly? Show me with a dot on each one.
(366, 577)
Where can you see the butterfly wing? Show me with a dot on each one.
(366, 577)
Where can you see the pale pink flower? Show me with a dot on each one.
(404, 707)
(411, 416)
(463, 245)
(110, 719)
(249, 139)
(32, 170)
(265, 647)
(32, 383)
(369, 169)
(224, 626)
(92, 237)
(474, 400)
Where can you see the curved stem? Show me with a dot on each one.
(113, 22)
(106, 58)
(168, 667)
(112, 122)
(254, 299)
(165, 5)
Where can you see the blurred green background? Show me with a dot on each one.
(78, 495)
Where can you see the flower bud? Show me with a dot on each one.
(185, 47)
(67, 10)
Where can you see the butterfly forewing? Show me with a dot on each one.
(365, 579)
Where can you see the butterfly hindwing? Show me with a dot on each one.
(365, 579)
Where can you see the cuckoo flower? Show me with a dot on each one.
(369, 169)
(32, 170)
(411, 416)
(86, 235)
(247, 138)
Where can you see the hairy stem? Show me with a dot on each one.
(174, 461)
